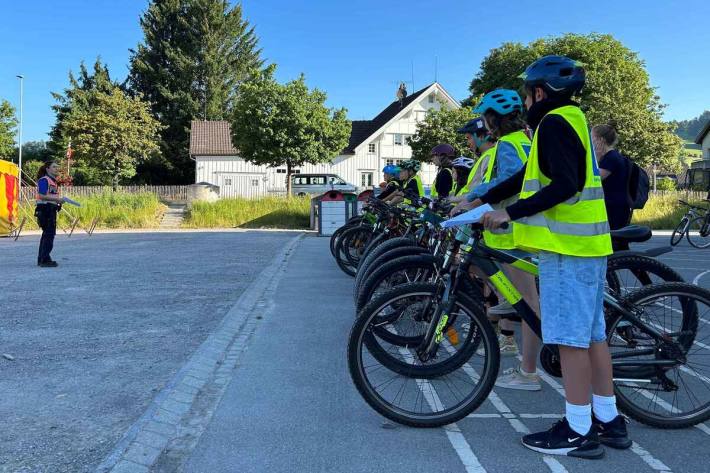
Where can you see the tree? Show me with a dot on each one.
(113, 135)
(8, 123)
(617, 91)
(689, 129)
(79, 97)
(35, 151)
(288, 124)
(194, 56)
(439, 126)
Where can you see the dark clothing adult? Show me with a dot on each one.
(46, 213)
(47, 220)
(412, 186)
(616, 188)
(444, 182)
(556, 141)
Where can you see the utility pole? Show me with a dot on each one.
(19, 140)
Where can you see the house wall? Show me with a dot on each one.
(706, 146)
(235, 176)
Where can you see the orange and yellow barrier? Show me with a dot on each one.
(9, 190)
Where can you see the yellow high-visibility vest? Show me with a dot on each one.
(578, 226)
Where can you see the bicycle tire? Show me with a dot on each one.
(336, 235)
(679, 231)
(641, 266)
(357, 339)
(384, 258)
(341, 250)
(698, 223)
(690, 324)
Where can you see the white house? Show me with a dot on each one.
(699, 172)
(373, 144)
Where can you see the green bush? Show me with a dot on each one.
(662, 211)
(113, 210)
(665, 184)
(268, 212)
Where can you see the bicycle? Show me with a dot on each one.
(695, 222)
(444, 328)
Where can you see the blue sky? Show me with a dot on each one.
(357, 51)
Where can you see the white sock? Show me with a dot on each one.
(604, 407)
(579, 417)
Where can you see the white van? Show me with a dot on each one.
(304, 184)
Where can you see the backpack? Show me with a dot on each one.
(639, 185)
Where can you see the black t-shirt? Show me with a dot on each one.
(444, 182)
(616, 188)
(412, 186)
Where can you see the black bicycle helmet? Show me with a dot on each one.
(557, 75)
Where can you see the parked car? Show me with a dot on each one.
(303, 184)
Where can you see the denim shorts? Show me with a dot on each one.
(571, 299)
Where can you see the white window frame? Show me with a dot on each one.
(401, 139)
(372, 148)
(370, 178)
(431, 98)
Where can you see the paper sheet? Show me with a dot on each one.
(472, 216)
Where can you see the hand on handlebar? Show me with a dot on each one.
(496, 219)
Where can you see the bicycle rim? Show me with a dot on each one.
(698, 234)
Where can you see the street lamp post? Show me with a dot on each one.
(22, 90)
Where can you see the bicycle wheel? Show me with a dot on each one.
(674, 393)
(359, 238)
(626, 273)
(679, 231)
(698, 233)
(343, 247)
(402, 270)
(422, 393)
(383, 259)
(336, 235)
(377, 252)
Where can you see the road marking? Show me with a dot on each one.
(453, 433)
(649, 459)
(518, 426)
(697, 278)
(512, 416)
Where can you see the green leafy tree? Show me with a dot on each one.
(689, 129)
(617, 91)
(30, 169)
(8, 123)
(112, 136)
(78, 97)
(439, 126)
(194, 56)
(287, 124)
(35, 151)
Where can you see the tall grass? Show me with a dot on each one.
(113, 210)
(663, 211)
(268, 212)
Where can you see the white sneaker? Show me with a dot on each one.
(508, 346)
(503, 308)
(514, 378)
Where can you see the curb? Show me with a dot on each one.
(174, 230)
(178, 412)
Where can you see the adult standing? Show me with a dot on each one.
(48, 204)
(614, 171)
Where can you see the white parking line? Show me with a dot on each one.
(699, 276)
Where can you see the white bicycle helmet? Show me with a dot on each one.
(463, 162)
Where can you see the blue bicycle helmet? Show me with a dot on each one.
(501, 101)
(558, 75)
(391, 169)
(475, 126)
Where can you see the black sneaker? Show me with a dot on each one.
(562, 440)
(613, 433)
(49, 264)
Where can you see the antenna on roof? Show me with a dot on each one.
(436, 68)
(413, 88)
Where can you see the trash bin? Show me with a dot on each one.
(350, 205)
(332, 212)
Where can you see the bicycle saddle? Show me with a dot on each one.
(632, 234)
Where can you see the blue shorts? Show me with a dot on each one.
(571, 299)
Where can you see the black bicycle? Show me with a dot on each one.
(658, 338)
(695, 225)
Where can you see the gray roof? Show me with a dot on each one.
(211, 138)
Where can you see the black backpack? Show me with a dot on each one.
(638, 187)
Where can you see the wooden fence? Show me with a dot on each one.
(171, 193)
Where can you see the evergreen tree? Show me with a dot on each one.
(193, 58)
